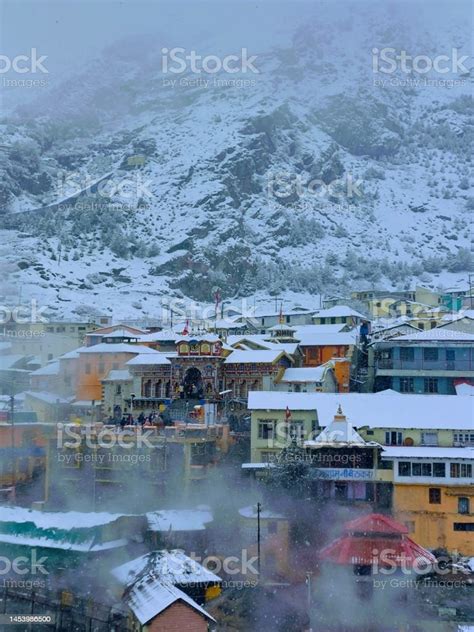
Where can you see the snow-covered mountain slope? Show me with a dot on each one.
(313, 174)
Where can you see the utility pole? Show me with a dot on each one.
(308, 584)
(259, 507)
(12, 422)
(470, 289)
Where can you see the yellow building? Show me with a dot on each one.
(433, 494)
(386, 418)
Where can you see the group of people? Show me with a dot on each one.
(152, 420)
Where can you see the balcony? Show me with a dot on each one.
(395, 364)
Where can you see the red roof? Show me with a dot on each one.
(380, 551)
(375, 523)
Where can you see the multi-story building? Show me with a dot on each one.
(386, 418)
(424, 362)
(416, 458)
(98, 466)
(433, 494)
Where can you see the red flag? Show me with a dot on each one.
(287, 414)
(185, 331)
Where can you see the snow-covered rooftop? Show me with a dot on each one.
(155, 358)
(336, 338)
(179, 519)
(171, 567)
(464, 389)
(375, 410)
(259, 356)
(147, 599)
(338, 311)
(118, 375)
(56, 519)
(49, 398)
(50, 369)
(438, 333)
(305, 374)
(121, 333)
(120, 347)
(424, 452)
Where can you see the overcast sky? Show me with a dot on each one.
(70, 32)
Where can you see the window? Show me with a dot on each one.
(430, 354)
(404, 468)
(60, 329)
(463, 526)
(407, 354)
(461, 470)
(434, 495)
(50, 330)
(323, 320)
(439, 470)
(333, 320)
(466, 438)
(101, 368)
(340, 491)
(421, 469)
(463, 505)
(50, 356)
(272, 527)
(266, 429)
(118, 390)
(407, 385)
(430, 385)
(429, 438)
(296, 431)
(393, 438)
(88, 369)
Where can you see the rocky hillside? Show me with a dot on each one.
(310, 175)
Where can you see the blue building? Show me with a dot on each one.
(428, 362)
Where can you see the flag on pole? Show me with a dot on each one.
(280, 317)
(185, 331)
(217, 299)
(287, 414)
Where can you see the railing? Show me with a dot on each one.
(425, 365)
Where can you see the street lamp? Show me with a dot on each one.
(132, 399)
(225, 401)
